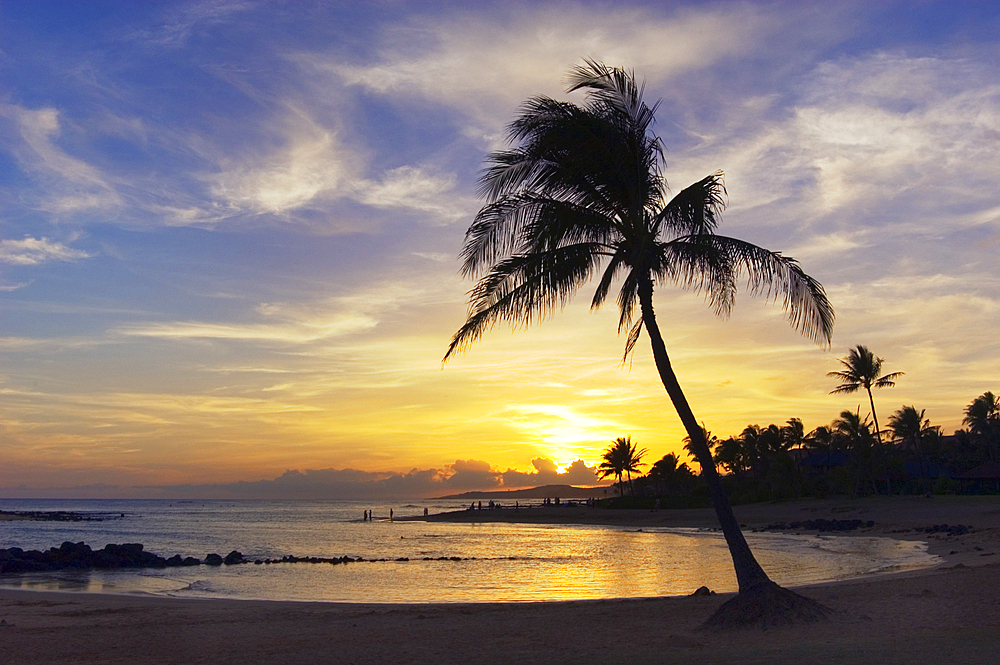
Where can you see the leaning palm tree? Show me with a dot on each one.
(861, 370)
(581, 196)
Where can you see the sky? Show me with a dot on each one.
(229, 235)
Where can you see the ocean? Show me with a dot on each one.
(448, 563)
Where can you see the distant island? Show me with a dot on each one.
(540, 492)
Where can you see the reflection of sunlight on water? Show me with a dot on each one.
(500, 562)
(522, 563)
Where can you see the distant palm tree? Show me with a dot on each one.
(612, 464)
(793, 433)
(861, 370)
(852, 429)
(731, 455)
(983, 418)
(581, 196)
(622, 456)
(910, 428)
(710, 439)
(668, 471)
(854, 434)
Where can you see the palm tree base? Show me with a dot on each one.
(766, 606)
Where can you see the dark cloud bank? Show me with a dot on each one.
(343, 484)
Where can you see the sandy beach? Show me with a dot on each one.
(950, 613)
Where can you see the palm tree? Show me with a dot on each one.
(861, 370)
(622, 456)
(820, 439)
(612, 464)
(983, 418)
(854, 434)
(731, 455)
(910, 428)
(669, 471)
(793, 433)
(581, 196)
(631, 457)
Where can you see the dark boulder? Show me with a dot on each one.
(234, 557)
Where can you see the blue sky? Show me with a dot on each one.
(229, 230)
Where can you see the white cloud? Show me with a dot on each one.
(291, 334)
(73, 184)
(312, 165)
(417, 189)
(297, 322)
(879, 142)
(32, 251)
(487, 65)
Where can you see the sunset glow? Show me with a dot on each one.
(230, 234)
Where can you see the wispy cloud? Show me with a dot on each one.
(415, 188)
(285, 334)
(72, 183)
(181, 21)
(312, 165)
(32, 251)
(488, 65)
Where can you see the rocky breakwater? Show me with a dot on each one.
(80, 555)
(132, 555)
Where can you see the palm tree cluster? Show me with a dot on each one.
(845, 456)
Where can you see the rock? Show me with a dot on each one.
(234, 557)
(703, 591)
(213, 560)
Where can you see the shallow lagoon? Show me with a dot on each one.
(499, 562)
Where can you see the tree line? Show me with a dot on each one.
(850, 455)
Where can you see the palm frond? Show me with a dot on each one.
(525, 223)
(580, 186)
(887, 381)
(524, 287)
(695, 209)
(616, 264)
(714, 263)
(633, 338)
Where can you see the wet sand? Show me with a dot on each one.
(950, 613)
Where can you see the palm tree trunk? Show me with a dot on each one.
(882, 452)
(871, 400)
(749, 574)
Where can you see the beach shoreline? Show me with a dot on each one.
(944, 613)
(899, 517)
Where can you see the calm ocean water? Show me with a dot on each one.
(501, 562)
